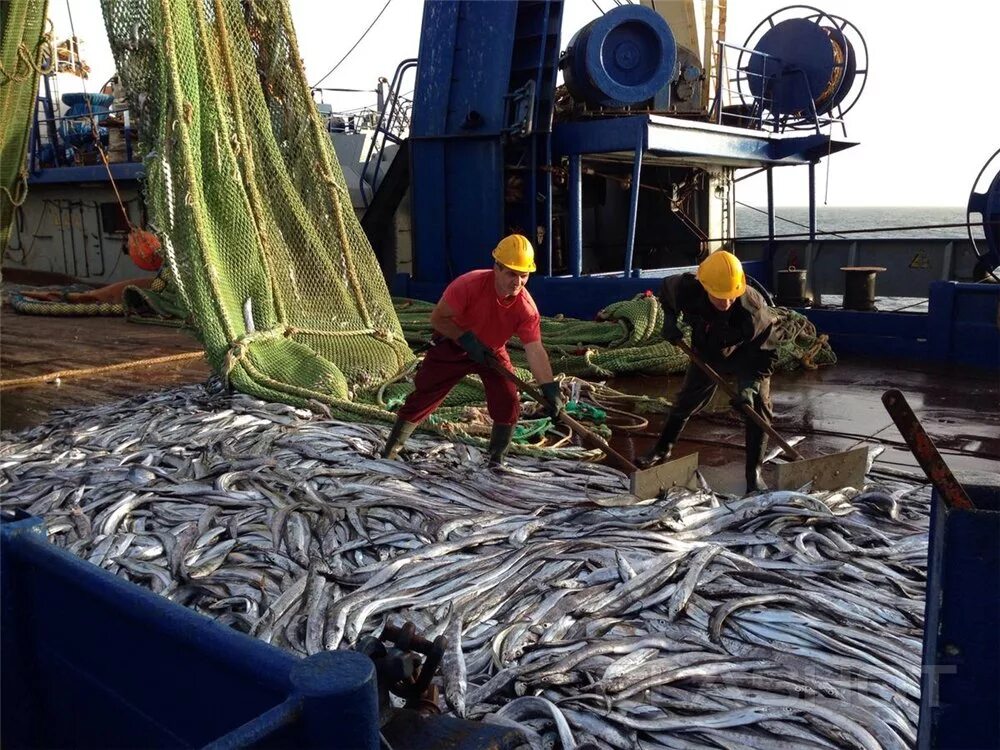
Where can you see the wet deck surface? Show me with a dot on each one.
(833, 407)
(883, 304)
(836, 407)
(37, 345)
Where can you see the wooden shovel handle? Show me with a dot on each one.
(589, 438)
(745, 408)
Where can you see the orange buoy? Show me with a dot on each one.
(144, 250)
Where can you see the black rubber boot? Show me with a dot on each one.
(661, 451)
(500, 439)
(756, 441)
(401, 430)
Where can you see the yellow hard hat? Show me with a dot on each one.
(722, 275)
(515, 252)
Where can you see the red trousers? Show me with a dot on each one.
(444, 365)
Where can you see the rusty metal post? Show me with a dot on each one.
(925, 451)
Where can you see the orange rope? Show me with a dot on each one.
(90, 371)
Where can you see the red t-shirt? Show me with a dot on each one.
(473, 298)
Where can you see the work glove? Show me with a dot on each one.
(746, 396)
(475, 348)
(671, 332)
(554, 397)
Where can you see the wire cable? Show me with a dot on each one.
(354, 46)
(780, 218)
(871, 230)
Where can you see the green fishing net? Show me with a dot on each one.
(24, 49)
(250, 203)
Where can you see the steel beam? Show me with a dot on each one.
(696, 141)
(575, 216)
(92, 173)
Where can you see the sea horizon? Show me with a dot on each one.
(880, 221)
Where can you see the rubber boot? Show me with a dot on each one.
(756, 441)
(401, 430)
(661, 451)
(500, 439)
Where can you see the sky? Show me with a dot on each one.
(927, 120)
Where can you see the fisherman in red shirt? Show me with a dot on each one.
(477, 314)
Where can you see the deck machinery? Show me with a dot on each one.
(625, 173)
(611, 175)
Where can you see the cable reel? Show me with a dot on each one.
(620, 59)
(803, 60)
(987, 205)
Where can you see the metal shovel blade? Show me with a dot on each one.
(833, 472)
(651, 482)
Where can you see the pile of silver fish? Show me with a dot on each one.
(572, 611)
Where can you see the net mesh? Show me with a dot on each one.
(25, 48)
(245, 191)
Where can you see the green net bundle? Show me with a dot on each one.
(625, 340)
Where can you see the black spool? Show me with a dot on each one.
(792, 288)
(859, 287)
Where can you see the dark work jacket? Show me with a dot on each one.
(740, 341)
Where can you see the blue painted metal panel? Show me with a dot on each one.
(873, 333)
(457, 214)
(960, 679)
(457, 163)
(664, 136)
(598, 136)
(473, 205)
(92, 661)
(586, 296)
(437, 52)
(465, 57)
(580, 297)
(94, 173)
(964, 323)
(939, 327)
(428, 209)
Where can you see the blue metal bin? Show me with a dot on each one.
(93, 661)
(960, 684)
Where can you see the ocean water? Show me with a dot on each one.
(885, 222)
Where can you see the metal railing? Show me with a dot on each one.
(392, 126)
(58, 141)
(735, 103)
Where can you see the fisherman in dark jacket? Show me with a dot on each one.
(732, 329)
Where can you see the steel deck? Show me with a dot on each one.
(833, 407)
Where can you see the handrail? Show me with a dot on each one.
(754, 118)
(51, 135)
(386, 122)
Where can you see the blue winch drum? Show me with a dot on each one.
(802, 65)
(991, 218)
(620, 59)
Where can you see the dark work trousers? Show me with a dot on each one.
(444, 365)
(698, 389)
